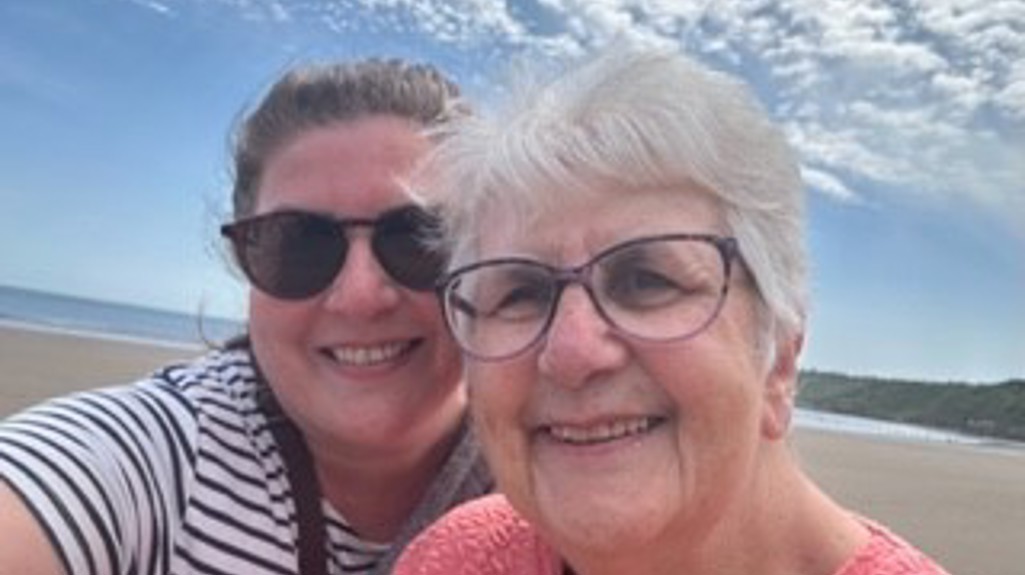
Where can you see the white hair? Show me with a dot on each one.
(638, 118)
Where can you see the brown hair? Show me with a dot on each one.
(317, 96)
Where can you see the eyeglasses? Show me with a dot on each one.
(657, 288)
(294, 255)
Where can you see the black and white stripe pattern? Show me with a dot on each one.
(177, 474)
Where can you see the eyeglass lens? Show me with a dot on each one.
(657, 288)
(295, 255)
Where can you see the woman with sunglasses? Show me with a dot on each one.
(629, 289)
(330, 434)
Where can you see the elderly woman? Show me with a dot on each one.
(628, 283)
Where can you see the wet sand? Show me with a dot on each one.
(963, 505)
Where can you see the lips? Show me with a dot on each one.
(369, 355)
(602, 432)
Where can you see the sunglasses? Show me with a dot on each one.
(295, 255)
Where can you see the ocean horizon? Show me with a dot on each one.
(64, 313)
(32, 309)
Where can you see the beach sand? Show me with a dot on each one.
(37, 364)
(963, 505)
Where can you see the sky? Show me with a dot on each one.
(908, 117)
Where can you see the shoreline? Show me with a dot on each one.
(963, 503)
(88, 334)
(891, 431)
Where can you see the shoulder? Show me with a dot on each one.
(219, 388)
(485, 536)
(887, 554)
(159, 414)
(217, 376)
(91, 463)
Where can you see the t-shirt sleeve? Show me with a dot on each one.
(482, 537)
(101, 471)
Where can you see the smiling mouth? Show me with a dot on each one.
(604, 432)
(369, 355)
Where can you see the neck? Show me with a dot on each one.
(376, 492)
(788, 525)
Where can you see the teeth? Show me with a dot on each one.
(603, 432)
(364, 356)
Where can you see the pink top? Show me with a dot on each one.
(487, 537)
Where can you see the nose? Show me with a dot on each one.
(580, 345)
(362, 287)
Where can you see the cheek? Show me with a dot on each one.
(424, 310)
(446, 356)
(277, 331)
(273, 322)
(497, 401)
(491, 404)
(499, 391)
(716, 385)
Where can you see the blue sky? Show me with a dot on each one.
(909, 116)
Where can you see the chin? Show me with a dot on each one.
(597, 535)
(604, 521)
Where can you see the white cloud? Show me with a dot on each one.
(158, 7)
(926, 96)
(828, 184)
(1011, 99)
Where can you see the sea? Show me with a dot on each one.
(61, 313)
(38, 310)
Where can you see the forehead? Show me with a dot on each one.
(352, 167)
(579, 224)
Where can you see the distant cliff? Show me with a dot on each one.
(996, 410)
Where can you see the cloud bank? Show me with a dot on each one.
(920, 97)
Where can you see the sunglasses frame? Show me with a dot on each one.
(424, 222)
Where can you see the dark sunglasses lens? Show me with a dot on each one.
(402, 243)
(290, 255)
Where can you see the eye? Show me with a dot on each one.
(637, 285)
(520, 300)
(509, 292)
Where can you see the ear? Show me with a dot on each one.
(781, 388)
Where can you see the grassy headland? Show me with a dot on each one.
(994, 410)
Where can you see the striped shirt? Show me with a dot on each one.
(180, 474)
